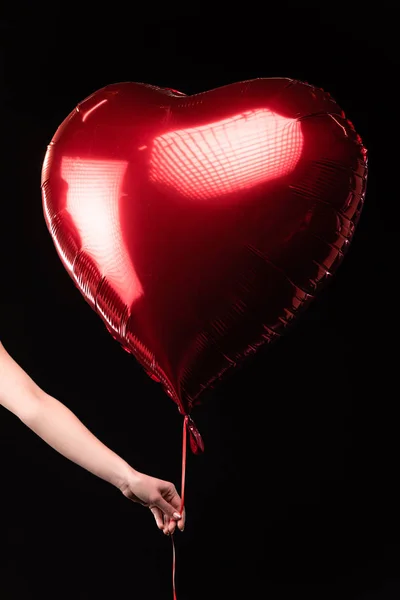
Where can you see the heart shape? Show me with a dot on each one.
(198, 227)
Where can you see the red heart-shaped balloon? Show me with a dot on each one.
(199, 226)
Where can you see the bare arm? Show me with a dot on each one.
(56, 424)
(62, 430)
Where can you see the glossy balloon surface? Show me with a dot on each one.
(198, 227)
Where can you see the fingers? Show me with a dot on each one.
(159, 517)
(168, 504)
(180, 519)
(166, 517)
(170, 526)
(168, 509)
(176, 502)
(181, 522)
(164, 523)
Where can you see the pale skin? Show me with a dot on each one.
(62, 430)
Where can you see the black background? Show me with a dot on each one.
(296, 493)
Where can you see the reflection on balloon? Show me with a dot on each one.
(228, 155)
(87, 114)
(93, 195)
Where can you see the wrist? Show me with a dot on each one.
(124, 475)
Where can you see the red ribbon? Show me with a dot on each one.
(185, 423)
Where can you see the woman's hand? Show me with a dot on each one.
(158, 495)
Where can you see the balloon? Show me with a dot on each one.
(199, 227)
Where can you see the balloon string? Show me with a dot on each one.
(182, 500)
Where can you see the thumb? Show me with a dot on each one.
(167, 509)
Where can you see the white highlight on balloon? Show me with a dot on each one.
(227, 156)
(94, 190)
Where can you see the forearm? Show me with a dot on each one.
(64, 432)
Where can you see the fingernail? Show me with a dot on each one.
(177, 515)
